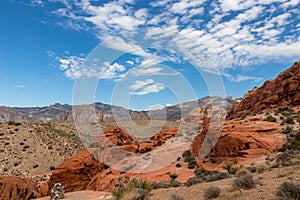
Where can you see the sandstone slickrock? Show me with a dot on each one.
(17, 188)
(279, 92)
(239, 142)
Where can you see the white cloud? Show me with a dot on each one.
(146, 71)
(240, 78)
(130, 62)
(155, 107)
(146, 87)
(233, 33)
(20, 86)
(74, 68)
(140, 84)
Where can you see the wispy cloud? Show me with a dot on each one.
(240, 78)
(146, 87)
(233, 33)
(20, 86)
(155, 107)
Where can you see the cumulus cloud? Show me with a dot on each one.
(233, 33)
(74, 67)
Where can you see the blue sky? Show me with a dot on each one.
(145, 54)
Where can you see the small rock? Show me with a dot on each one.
(57, 192)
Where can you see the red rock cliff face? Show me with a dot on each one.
(281, 91)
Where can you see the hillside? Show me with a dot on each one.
(282, 91)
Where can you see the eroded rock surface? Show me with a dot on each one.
(279, 92)
(18, 188)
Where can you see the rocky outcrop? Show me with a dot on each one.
(85, 171)
(76, 172)
(238, 141)
(280, 92)
(18, 188)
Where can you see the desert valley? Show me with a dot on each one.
(256, 154)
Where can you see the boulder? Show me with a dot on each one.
(18, 188)
(76, 172)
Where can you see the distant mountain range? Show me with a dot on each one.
(104, 112)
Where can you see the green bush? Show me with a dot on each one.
(288, 190)
(289, 120)
(212, 192)
(136, 194)
(230, 168)
(134, 187)
(295, 142)
(118, 192)
(174, 183)
(270, 118)
(161, 184)
(173, 175)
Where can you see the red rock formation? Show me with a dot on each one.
(43, 188)
(240, 142)
(18, 188)
(83, 171)
(279, 92)
(117, 136)
(76, 172)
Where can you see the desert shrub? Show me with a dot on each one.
(230, 168)
(161, 184)
(136, 194)
(288, 120)
(135, 187)
(186, 153)
(270, 118)
(244, 182)
(192, 163)
(118, 192)
(260, 169)
(138, 183)
(212, 192)
(295, 142)
(251, 169)
(174, 183)
(119, 143)
(287, 130)
(178, 165)
(220, 175)
(288, 190)
(199, 172)
(176, 197)
(173, 175)
(193, 181)
(14, 123)
(242, 172)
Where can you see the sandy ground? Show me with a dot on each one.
(266, 187)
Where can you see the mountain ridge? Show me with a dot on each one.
(64, 112)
